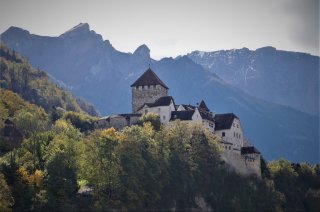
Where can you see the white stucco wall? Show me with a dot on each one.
(163, 111)
(233, 135)
(209, 125)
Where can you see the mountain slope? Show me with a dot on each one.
(286, 78)
(34, 85)
(93, 69)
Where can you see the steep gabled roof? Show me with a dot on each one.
(162, 101)
(206, 115)
(249, 150)
(188, 107)
(224, 121)
(183, 115)
(148, 78)
(203, 106)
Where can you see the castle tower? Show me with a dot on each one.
(147, 89)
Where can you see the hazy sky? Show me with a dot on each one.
(174, 27)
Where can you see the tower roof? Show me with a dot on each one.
(203, 106)
(149, 78)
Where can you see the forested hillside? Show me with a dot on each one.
(34, 85)
(175, 167)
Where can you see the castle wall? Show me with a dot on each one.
(117, 122)
(233, 135)
(209, 125)
(146, 94)
(164, 112)
(242, 164)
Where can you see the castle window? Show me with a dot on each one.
(239, 135)
(223, 134)
(146, 111)
(159, 109)
(237, 125)
(234, 134)
(229, 147)
(164, 117)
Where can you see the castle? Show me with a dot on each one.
(150, 95)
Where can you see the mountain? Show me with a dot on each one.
(35, 86)
(282, 77)
(94, 69)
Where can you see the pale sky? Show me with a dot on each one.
(175, 27)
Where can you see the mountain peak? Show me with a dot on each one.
(266, 48)
(81, 28)
(15, 31)
(142, 51)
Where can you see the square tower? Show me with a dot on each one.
(147, 89)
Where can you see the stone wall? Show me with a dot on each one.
(242, 164)
(146, 94)
(117, 121)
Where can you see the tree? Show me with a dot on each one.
(99, 166)
(6, 199)
(29, 123)
(62, 167)
(153, 118)
(285, 179)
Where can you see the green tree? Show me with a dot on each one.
(153, 118)
(29, 123)
(285, 179)
(99, 166)
(6, 199)
(62, 167)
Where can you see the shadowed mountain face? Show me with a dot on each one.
(93, 69)
(286, 78)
